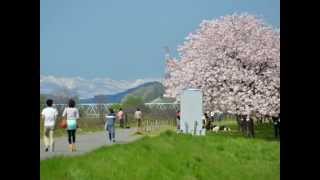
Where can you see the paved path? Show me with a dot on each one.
(88, 142)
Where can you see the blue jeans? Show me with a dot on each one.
(111, 131)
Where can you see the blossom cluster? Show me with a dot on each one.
(235, 61)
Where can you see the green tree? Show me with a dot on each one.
(116, 106)
(133, 102)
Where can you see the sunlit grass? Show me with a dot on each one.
(176, 156)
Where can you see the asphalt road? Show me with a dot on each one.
(88, 142)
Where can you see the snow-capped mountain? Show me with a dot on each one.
(87, 88)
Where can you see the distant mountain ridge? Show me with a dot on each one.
(163, 100)
(87, 87)
(148, 91)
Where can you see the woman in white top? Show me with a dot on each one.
(72, 114)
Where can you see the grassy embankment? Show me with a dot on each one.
(176, 156)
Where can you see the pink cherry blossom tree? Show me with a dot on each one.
(235, 61)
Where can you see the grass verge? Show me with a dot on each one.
(175, 156)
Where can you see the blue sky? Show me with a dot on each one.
(124, 39)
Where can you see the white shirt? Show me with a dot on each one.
(138, 115)
(50, 115)
(212, 114)
(72, 113)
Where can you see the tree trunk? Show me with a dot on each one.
(259, 122)
(251, 125)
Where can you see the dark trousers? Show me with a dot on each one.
(126, 124)
(71, 136)
(111, 132)
(122, 123)
(212, 118)
(277, 130)
(243, 126)
(250, 128)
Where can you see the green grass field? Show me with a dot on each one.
(175, 156)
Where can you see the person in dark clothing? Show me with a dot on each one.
(251, 127)
(243, 123)
(178, 119)
(207, 122)
(279, 125)
(276, 126)
(239, 121)
(204, 120)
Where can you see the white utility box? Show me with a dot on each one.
(191, 112)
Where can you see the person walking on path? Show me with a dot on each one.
(120, 116)
(72, 115)
(109, 125)
(50, 116)
(138, 117)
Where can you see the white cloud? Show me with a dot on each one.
(87, 88)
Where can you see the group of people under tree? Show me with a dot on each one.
(206, 120)
(245, 122)
(71, 116)
(246, 125)
(215, 116)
